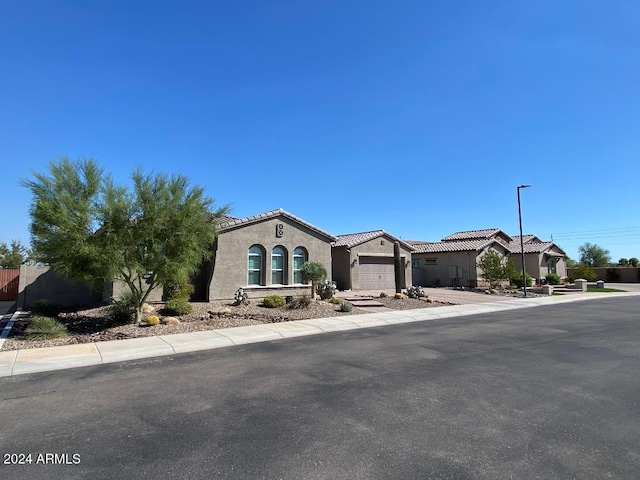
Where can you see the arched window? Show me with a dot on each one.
(278, 263)
(254, 265)
(299, 257)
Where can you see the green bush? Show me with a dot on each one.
(42, 328)
(45, 308)
(583, 270)
(302, 301)
(346, 306)
(274, 301)
(553, 279)
(335, 301)
(175, 289)
(177, 307)
(516, 280)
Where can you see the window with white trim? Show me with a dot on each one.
(278, 262)
(299, 257)
(254, 265)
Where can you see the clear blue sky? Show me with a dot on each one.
(416, 117)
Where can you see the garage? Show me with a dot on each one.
(376, 273)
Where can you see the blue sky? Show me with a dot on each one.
(416, 117)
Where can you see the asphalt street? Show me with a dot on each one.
(538, 393)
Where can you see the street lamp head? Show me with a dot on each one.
(524, 186)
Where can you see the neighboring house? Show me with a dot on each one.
(454, 260)
(365, 261)
(540, 258)
(263, 255)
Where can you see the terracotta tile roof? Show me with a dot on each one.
(352, 239)
(525, 238)
(533, 247)
(472, 235)
(231, 222)
(452, 246)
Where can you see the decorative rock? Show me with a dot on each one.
(220, 311)
(170, 321)
(146, 308)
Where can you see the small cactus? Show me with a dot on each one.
(346, 306)
(152, 320)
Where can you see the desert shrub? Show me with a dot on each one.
(240, 297)
(383, 295)
(123, 311)
(583, 270)
(415, 292)
(42, 328)
(273, 301)
(346, 306)
(178, 288)
(177, 307)
(45, 308)
(516, 280)
(302, 301)
(326, 289)
(553, 279)
(152, 320)
(335, 301)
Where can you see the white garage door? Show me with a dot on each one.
(376, 273)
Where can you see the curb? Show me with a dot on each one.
(17, 362)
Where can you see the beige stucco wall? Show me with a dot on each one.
(627, 274)
(229, 270)
(469, 274)
(43, 283)
(536, 265)
(347, 267)
(438, 274)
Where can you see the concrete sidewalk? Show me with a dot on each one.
(54, 358)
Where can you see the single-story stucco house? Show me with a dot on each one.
(540, 258)
(365, 261)
(263, 255)
(454, 260)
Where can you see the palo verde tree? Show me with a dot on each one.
(495, 268)
(88, 228)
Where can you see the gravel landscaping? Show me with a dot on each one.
(94, 325)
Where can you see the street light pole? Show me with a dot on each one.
(524, 270)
